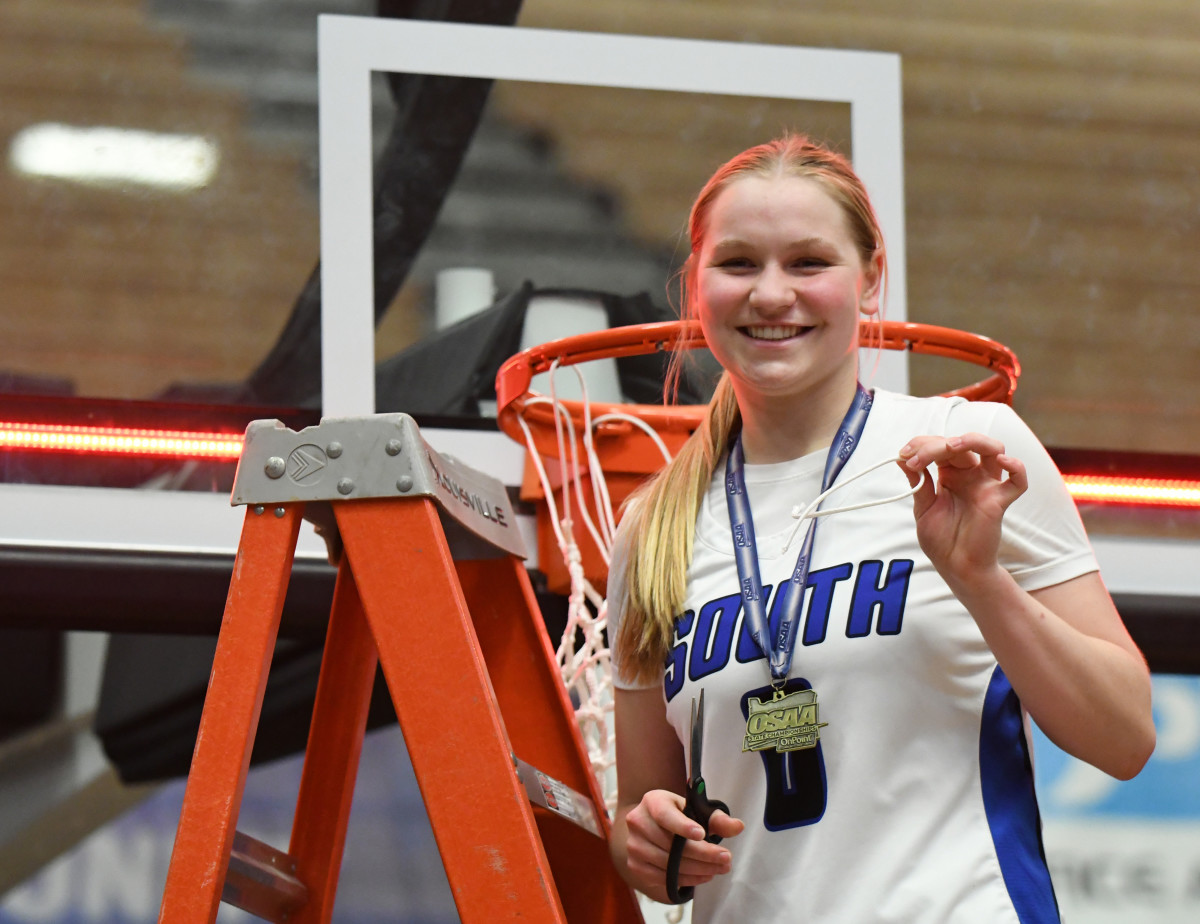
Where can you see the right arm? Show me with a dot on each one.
(651, 777)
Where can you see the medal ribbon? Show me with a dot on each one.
(778, 651)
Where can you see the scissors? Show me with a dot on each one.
(697, 807)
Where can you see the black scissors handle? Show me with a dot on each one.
(699, 808)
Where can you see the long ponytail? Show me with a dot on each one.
(663, 516)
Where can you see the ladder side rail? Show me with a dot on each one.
(480, 814)
(541, 725)
(334, 748)
(524, 670)
(217, 777)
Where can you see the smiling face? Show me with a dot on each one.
(778, 285)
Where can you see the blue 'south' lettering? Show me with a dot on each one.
(705, 639)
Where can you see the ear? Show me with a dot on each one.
(872, 290)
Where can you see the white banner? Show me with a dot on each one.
(1129, 852)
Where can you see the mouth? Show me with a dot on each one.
(774, 331)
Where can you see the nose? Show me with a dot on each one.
(773, 289)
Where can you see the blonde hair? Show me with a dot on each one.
(663, 511)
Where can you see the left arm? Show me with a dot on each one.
(1063, 648)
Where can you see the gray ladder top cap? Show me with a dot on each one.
(382, 455)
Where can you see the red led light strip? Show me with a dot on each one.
(176, 444)
(180, 444)
(1134, 491)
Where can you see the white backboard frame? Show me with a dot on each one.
(350, 48)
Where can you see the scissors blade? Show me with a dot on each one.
(697, 744)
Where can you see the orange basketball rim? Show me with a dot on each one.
(675, 422)
(627, 454)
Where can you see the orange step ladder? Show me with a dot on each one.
(432, 589)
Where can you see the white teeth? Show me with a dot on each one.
(772, 333)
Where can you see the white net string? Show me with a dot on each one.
(584, 659)
(812, 511)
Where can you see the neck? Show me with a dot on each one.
(776, 430)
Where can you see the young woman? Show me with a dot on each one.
(866, 688)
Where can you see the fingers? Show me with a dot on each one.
(665, 811)
(725, 825)
(1016, 473)
(653, 878)
(652, 827)
(910, 463)
(965, 451)
(700, 862)
(968, 451)
(692, 872)
(965, 465)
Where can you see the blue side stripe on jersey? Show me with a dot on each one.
(1011, 805)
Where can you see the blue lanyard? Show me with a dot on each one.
(778, 651)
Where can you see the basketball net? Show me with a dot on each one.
(584, 658)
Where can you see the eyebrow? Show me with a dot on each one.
(735, 243)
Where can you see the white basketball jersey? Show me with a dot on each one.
(916, 803)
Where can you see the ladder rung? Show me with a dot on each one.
(262, 880)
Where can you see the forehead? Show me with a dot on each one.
(784, 204)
